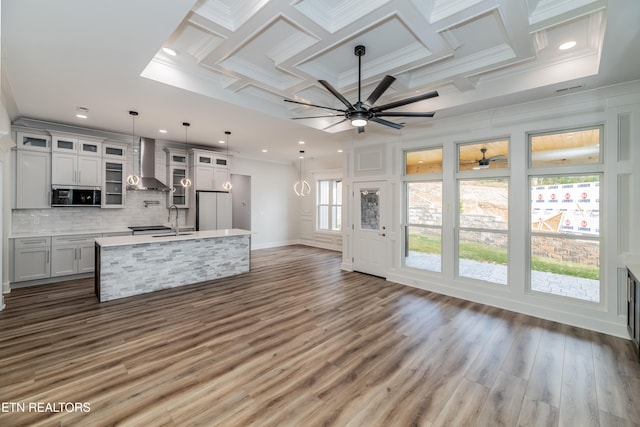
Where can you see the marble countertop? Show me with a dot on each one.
(187, 235)
(105, 230)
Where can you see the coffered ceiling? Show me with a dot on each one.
(236, 61)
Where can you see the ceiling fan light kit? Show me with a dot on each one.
(485, 162)
(360, 113)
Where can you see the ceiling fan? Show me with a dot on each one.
(361, 113)
(485, 161)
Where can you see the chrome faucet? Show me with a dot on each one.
(169, 219)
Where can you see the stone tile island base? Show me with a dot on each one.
(133, 265)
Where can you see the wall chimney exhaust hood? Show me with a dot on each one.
(147, 167)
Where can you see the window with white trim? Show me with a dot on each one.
(483, 211)
(423, 223)
(565, 172)
(329, 204)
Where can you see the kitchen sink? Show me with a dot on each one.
(172, 235)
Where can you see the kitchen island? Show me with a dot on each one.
(133, 265)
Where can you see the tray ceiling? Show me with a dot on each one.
(238, 59)
(260, 52)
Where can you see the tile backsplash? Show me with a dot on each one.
(25, 221)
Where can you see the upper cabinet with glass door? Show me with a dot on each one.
(177, 172)
(76, 161)
(33, 141)
(114, 165)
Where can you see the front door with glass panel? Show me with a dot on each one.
(369, 231)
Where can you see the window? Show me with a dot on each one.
(565, 213)
(329, 204)
(483, 211)
(423, 191)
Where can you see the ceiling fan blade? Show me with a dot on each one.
(360, 129)
(401, 114)
(335, 124)
(380, 89)
(335, 93)
(386, 122)
(316, 117)
(405, 101)
(498, 158)
(312, 105)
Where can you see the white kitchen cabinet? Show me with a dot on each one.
(76, 162)
(81, 147)
(33, 179)
(210, 170)
(71, 169)
(113, 186)
(72, 254)
(114, 150)
(31, 258)
(33, 141)
(177, 169)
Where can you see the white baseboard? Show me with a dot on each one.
(547, 312)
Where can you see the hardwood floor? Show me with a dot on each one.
(297, 342)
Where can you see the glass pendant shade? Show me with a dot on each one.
(133, 179)
(302, 188)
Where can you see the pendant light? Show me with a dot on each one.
(133, 179)
(227, 184)
(301, 187)
(186, 182)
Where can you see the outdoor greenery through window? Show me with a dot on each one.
(423, 192)
(565, 235)
(483, 233)
(483, 211)
(329, 204)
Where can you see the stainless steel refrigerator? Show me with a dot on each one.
(213, 210)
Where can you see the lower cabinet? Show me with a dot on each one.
(31, 258)
(72, 254)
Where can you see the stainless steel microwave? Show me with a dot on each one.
(75, 196)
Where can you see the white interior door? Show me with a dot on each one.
(369, 231)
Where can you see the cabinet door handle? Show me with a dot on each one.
(48, 253)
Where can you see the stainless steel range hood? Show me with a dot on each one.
(147, 168)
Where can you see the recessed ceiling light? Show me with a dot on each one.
(162, 131)
(340, 150)
(220, 141)
(264, 150)
(300, 142)
(567, 45)
(82, 112)
(169, 51)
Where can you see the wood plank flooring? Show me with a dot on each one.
(297, 342)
